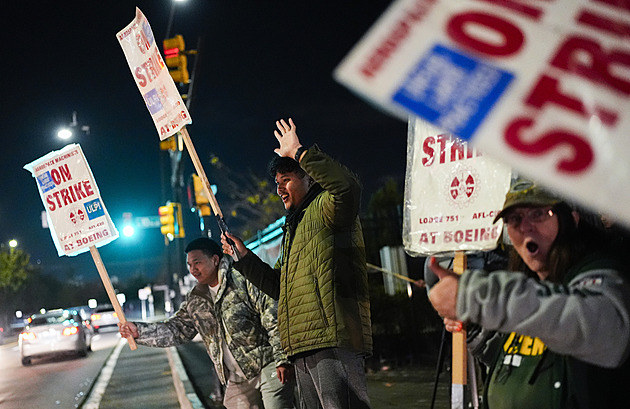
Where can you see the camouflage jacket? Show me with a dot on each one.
(248, 324)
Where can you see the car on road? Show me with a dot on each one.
(54, 332)
(104, 316)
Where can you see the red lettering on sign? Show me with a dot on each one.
(581, 152)
(142, 80)
(604, 23)
(69, 195)
(393, 40)
(547, 90)
(61, 174)
(524, 9)
(458, 149)
(585, 57)
(459, 29)
(621, 4)
(471, 235)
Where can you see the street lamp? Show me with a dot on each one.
(170, 17)
(66, 132)
(128, 230)
(13, 243)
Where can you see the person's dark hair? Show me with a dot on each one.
(570, 244)
(281, 164)
(208, 246)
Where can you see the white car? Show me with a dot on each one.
(54, 332)
(104, 316)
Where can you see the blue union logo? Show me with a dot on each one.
(46, 182)
(94, 209)
(452, 90)
(152, 99)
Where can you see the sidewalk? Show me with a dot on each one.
(151, 378)
(155, 378)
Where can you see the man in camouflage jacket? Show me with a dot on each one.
(238, 326)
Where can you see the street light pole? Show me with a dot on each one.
(170, 17)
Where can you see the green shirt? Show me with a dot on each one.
(517, 366)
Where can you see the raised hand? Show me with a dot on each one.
(287, 138)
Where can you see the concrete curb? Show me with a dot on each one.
(97, 389)
(186, 394)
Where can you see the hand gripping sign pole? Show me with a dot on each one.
(161, 96)
(77, 217)
(466, 191)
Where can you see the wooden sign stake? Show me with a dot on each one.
(206, 185)
(96, 256)
(459, 348)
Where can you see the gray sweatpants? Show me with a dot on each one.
(263, 391)
(332, 378)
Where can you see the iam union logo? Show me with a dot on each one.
(77, 216)
(462, 187)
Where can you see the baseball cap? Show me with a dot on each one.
(526, 193)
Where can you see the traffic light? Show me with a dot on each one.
(176, 59)
(169, 144)
(202, 202)
(171, 220)
(167, 219)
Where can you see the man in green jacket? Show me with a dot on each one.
(320, 278)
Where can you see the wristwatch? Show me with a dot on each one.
(299, 153)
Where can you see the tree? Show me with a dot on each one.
(14, 266)
(251, 204)
(382, 224)
(13, 269)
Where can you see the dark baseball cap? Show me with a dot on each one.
(526, 193)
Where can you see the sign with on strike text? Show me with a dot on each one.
(151, 75)
(543, 86)
(452, 194)
(76, 214)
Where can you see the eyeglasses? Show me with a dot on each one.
(533, 215)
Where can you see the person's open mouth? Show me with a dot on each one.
(532, 247)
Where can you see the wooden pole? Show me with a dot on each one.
(206, 185)
(110, 292)
(201, 172)
(382, 270)
(459, 358)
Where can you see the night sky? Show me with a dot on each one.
(259, 61)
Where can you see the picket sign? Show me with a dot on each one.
(160, 94)
(150, 73)
(77, 217)
(543, 86)
(452, 194)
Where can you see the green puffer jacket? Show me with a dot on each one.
(248, 319)
(320, 278)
